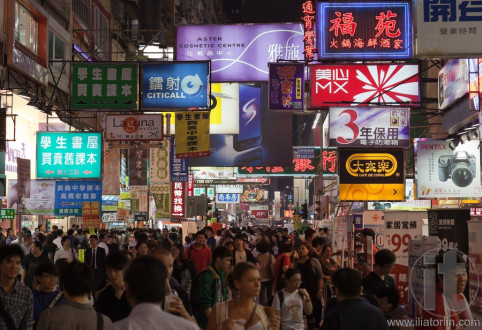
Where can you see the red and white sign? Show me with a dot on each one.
(190, 185)
(476, 211)
(177, 199)
(258, 214)
(134, 127)
(364, 84)
(288, 213)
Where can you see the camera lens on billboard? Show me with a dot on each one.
(461, 176)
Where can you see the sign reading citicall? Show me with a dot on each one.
(371, 175)
(72, 155)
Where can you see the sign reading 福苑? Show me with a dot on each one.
(134, 127)
(69, 196)
(367, 175)
(442, 172)
(178, 193)
(179, 166)
(73, 155)
(286, 86)
(364, 84)
(7, 214)
(91, 214)
(355, 127)
(448, 28)
(104, 86)
(364, 30)
(192, 138)
(175, 85)
(227, 198)
(240, 52)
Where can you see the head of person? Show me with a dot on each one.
(70, 232)
(451, 272)
(285, 232)
(310, 234)
(200, 239)
(286, 247)
(303, 250)
(110, 239)
(244, 280)
(27, 239)
(387, 298)
(36, 248)
(172, 237)
(60, 233)
(292, 279)
(164, 233)
(177, 251)
(166, 258)
(208, 231)
(262, 247)
(55, 228)
(366, 232)
(326, 252)
(347, 282)
(115, 264)
(11, 232)
(145, 281)
(384, 261)
(77, 279)
(326, 231)
(142, 249)
(239, 241)
(10, 260)
(318, 243)
(94, 241)
(103, 237)
(47, 277)
(222, 258)
(65, 241)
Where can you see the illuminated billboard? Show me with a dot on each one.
(286, 86)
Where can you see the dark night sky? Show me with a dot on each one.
(265, 11)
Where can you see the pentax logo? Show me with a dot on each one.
(433, 147)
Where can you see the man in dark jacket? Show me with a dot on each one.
(95, 258)
(240, 253)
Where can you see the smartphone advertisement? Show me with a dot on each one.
(249, 118)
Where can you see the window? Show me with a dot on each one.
(81, 9)
(26, 28)
(56, 50)
(101, 33)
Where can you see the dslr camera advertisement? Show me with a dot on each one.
(446, 170)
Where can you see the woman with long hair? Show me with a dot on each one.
(184, 270)
(242, 312)
(49, 247)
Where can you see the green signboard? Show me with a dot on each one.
(73, 155)
(104, 86)
(7, 213)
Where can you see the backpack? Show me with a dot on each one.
(194, 282)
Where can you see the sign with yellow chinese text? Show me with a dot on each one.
(368, 175)
(91, 214)
(364, 30)
(286, 86)
(177, 198)
(192, 138)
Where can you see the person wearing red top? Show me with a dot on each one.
(199, 253)
(283, 262)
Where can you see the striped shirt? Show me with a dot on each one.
(19, 304)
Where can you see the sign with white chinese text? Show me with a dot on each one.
(7, 214)
(192, 138)
(69, 196)
(100, 86)
(134, 127)
(190, 185)
(138, 166)
(178, 204)
(227, 198)
(286, 86)
(167, 85)
(450, 226)
(69, 155)
(364, 84)
(179, 166)
(364, 30)
(355, 127)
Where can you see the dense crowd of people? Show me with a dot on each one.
(236, 278)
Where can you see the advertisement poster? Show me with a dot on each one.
(178, 199)
(286, 86)
(253, 195)
(475, 267)
(90, 214)
(442, 170)
(134, 127)
(179, 166)
(192, 136)
(364, 30)
(361, 127)
(240, 52)
(453, 82)
(110, 179)
(159, 168)
(371, 174)
(40, 201)
(138, 198)
(364, 84)
(450, 226)
(400, 229)
(69, 196)
(138, 166)
(375, 220)
(162, 199)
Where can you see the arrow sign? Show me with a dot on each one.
(49, 172)
(191, 85)
(87, 172)
(394, 192)
(67, 203)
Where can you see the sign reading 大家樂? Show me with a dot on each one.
(104, 86)
(69, 155)
(364, 30)
(167, 85)
(69, 196)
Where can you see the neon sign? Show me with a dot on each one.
(309, 13)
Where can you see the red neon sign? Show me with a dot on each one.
(309, 35)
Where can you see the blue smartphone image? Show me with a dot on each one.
(249, 118)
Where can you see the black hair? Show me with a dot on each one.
(348, 282)
(64, 238)
(309, 232)
(318, 241)
(77, 278)
(11, 250)
(172, 236)
(200, 233)
(285, 246)
(94, 237)
(60, 232)
(116, 260)
(70, 232)
(323, 249)
(390, 293)
(263, 247)
(47, 268)
(221, 252)
(146, 279)
(239, 270)
(385, 257)
(207, 228)
(37, 244)
(368, 232)
(101, 236)
(285, 230)
(290, 272)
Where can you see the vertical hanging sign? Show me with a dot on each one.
(309, 14)
(138, 167)
(193, 130)
(177, 198)
(179, 166)
(286, 86)
(159, 163)
(190, 185)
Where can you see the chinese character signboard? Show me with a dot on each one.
(91, 214)
(138, 166)
(177, 198)
(69, 155)
(355, 127)
(441, 172)
(192, 138)
(450, 226)
(227, 198)
(364, 30)
(134, 127)
(309, 15)
(364, 84)
(175, 85)
(448, 28)
(138, 198)
(190, 185)
(159, 163)
(240, 52)
(69, 196)
(286, 86)
(179, 166)
(7, 214)
(161, 194)
(367, 175)
(110, 179)
(104, 86)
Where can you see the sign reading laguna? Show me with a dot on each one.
(240, 52)
(364, 84)
(367, 175)
(133, 127)
(443, 171)
(175, 85)
(355, 127)
(364, 30)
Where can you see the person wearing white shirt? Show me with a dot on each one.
(58, 240)
(66, 252)
(103, 242)
(145, 288)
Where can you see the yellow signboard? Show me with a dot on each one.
(192, 137)
(81, 255)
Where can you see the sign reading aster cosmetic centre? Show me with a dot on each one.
(69, 155)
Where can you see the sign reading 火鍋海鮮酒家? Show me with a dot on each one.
(73, 155)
